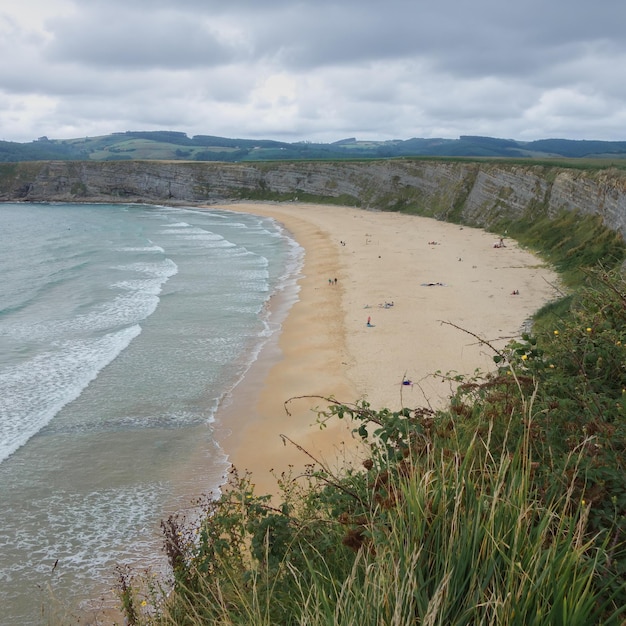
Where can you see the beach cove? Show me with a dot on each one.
(375, 299)
(385, 298)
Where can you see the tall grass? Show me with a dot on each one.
(464, 544)
(445, 536)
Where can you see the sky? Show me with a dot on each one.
(314, 70)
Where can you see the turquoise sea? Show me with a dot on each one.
(123, 329)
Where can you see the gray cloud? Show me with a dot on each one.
(317, 70)
(135, 40)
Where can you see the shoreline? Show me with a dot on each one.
(299, 360)
(436, 279)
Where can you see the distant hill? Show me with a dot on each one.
(177, 146)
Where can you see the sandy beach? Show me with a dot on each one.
(417, 281)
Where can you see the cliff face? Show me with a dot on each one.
(472, 192)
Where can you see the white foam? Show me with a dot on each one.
(142, 249)
(36, 390)
(139, 300)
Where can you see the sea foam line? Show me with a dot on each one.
(36, 390)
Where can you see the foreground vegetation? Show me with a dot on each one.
(508, 507)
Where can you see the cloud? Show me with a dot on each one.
(314, 70)
(135, 40)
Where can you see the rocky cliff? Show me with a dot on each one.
(477, 193)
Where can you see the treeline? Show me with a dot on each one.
(171, 145)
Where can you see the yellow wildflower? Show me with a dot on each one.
(556, 332)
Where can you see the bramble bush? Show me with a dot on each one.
(572, 377)
(575, 369)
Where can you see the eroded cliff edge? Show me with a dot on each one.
(476, 193)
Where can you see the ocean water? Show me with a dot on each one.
(123, 329)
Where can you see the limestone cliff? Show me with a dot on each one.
(477, 193)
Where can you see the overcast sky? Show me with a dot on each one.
(318, 70)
